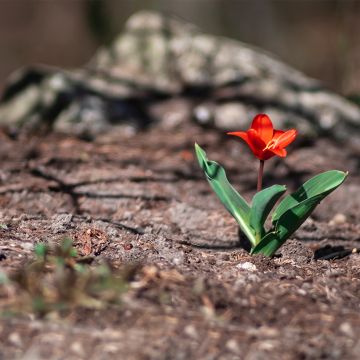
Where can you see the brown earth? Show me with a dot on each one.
(143, 199)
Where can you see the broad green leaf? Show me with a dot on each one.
(231, 199)
(289, 222)
(262, 204)
(296, 208)
(268, 245)
(322, 184)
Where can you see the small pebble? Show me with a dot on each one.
(178, 260)
(191, 331)
(338, 219)
(346, 329)
(27, 246)
(247, 266)
(232, 345)
(15, 339)
(77, 348)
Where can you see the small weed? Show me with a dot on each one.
(58, 280)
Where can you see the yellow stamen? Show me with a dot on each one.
(270, 145)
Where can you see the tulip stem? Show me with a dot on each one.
(260, 175)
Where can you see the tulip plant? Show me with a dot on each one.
(266, 142)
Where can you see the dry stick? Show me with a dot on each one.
(260, 175)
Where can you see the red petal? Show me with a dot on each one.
(267, 154)
(255, 138)
(257, 143)
(247, 138)
(277, 134)
(279, 152)
(243, 135)
(286, 138)
(264, 127)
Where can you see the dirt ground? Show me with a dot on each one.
(198, 295)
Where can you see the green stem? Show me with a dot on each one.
(260, 175)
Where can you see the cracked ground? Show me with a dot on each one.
(142, 199)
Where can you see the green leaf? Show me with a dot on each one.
(40, 250)
(288, 223)
(268, 245)
(296, 208)
(322, 184)
(291, 220)
(231, 199)
(262, 204)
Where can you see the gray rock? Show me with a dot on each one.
(157, 59)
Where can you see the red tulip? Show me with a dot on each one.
(263, 140)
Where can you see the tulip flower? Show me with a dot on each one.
(265, 142)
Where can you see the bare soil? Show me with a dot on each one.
(143, 199)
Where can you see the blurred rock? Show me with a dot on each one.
(157, 59)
